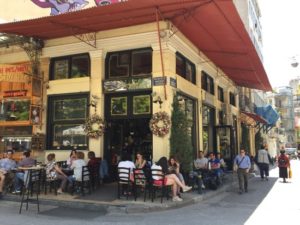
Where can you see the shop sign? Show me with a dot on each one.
(15, 93)
(14, 73)
(173, 82)
(159, 81)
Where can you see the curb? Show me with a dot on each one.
(131, 207)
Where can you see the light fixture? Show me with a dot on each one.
(159, 101)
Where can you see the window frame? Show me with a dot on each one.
(221, 94)
(51, 122)
(69, 59)
(232, 99)
(130, 63)
(207, 83)
(186, 62)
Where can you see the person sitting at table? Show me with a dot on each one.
(94, 166)
(76, 166)
(214, 166)
(140, 162)
(53, 171)
(170, 179)
(71, 158)
(6, 166)
(26, 161)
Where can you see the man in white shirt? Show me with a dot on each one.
(200, 166)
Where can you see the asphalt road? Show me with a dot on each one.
(267, 202)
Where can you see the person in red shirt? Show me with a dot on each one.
(283, 164)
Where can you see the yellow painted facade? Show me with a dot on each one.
(141, 36)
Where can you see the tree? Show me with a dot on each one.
(180, 139)
(245, 138)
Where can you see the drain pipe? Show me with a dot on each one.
(161, 54)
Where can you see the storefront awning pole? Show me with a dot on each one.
(161, 54)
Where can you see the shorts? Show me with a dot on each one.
(160, 182)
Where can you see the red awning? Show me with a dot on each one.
(214, 26)
(253, 116)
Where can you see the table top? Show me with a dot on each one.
(30, 168)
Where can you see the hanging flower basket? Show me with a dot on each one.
(94, 126)
(160, 124)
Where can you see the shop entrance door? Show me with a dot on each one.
(127, 136)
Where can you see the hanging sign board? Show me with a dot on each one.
(14, 73)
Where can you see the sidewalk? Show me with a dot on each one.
(105, 199)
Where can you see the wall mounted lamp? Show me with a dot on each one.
(159, 101)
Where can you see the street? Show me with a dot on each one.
(267, 202)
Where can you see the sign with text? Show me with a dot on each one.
(14, 73)
(159, 81)
(173, 82)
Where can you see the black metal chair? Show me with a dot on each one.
(95, 175)
(31, 185)
(139, 182)
(84, 183)
(123, 181)
(51, 183)
(159, 183)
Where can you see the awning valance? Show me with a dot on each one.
(215, 27)
(252, 119)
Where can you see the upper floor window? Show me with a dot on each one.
(207, 83)
(129, 63)
(232, 99)
(185, 68)
(220, 94)
(67, 67)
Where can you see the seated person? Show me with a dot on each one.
(53, 171)
(223, 165)
(71, 158)
(170, 179)
(127, 163)
(140, 162)
(6, 165)
(214, 165)
(27, 161)
(94, 166)
(174, 167)
(200, 167)
(76, 166)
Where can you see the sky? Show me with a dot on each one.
(280, 22)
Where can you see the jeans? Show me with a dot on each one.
(264, 170)
(19, 181)
(196, 177)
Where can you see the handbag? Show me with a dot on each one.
(290, 173)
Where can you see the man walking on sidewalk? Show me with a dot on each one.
(242, 164)
(263, 159)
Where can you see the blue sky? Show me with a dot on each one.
(281, 37)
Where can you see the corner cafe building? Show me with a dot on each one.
(123, 63)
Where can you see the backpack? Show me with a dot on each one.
(281, 162)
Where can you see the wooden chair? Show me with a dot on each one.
(158, 183)
(84, 183)
(140, 182)
(123, 181)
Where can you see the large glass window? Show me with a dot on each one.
(70, 67)
(129, 63)
(185, 68)
(66, 116)
(220, 94)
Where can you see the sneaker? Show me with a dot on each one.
(177, 199)
(203, 186)
(16, 192)
(186, 188)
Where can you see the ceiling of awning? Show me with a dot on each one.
(252, 119)
(214, 26)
